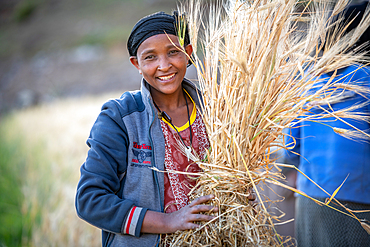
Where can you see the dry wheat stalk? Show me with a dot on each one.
(257, 70)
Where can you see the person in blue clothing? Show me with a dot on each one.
(329, 159)
(124, 188)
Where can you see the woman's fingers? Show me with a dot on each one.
(188, 216)
(201, 217)
(203, 208)
(198, 218)
(201, 200)
(193, 226)
(197, 205)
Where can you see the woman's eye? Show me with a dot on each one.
(174, 52)
(149, 57)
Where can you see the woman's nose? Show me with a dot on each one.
(164, 64)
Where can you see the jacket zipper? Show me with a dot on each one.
(154, 164)
(154, 173)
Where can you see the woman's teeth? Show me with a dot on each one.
(164, 78)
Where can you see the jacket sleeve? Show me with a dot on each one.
(96, 199)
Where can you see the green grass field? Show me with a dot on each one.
(41, 152)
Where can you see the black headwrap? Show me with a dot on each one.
(157, 23)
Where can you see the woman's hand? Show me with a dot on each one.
(186, 217)
(183, 219)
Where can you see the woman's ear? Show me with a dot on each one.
(135, 62)
(189, 49)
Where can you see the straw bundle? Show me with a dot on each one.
(257, 71)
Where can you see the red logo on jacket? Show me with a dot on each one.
(141, 154)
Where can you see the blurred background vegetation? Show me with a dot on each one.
(60, 48)
(60, 60)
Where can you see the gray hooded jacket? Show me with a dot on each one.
(117, 184)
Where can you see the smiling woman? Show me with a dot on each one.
(163, 65)
(135, 181)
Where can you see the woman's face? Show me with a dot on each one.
(161, 62)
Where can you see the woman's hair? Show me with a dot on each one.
(157, 23)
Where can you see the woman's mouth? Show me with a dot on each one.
(167, 77)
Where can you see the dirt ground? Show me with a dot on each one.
(68, 49)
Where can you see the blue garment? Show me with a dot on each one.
(328, 158)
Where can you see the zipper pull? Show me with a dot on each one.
(166, 116)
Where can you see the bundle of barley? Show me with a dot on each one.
(256, 70)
